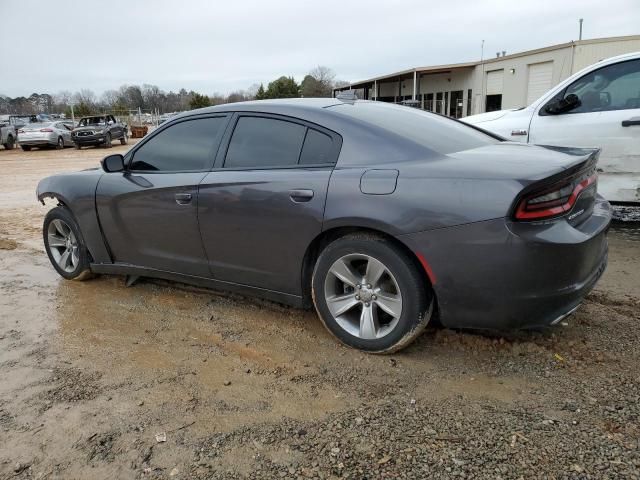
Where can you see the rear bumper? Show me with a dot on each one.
(502, 275)
(37, 142)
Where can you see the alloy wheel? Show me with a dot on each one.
(363, 296)
(63, 245)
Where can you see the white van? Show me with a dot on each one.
(597, 107)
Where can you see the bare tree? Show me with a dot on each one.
(318, 82)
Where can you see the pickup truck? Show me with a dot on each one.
(8, 135)
(99, 130)
(597, 107)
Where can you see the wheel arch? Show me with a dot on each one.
(320, 242)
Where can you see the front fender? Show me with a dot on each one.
(77, 192)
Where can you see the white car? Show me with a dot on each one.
(597, 107)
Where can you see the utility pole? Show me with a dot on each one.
(580, 36)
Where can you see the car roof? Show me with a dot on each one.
(270, 105)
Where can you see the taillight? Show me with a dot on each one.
(46, 130)
(553, 201)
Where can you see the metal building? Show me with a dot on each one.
(505, 81)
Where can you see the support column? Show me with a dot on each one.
(375, 90)
(415, 84)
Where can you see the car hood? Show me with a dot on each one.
(489, 116)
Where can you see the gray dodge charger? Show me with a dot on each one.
(383, 217)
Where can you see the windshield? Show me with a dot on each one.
(433, 131)
(91, 121)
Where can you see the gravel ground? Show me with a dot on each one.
(165, 381)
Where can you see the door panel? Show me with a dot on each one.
(257, 224)
(149, 220)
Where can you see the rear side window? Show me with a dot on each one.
(264, 142)
(317, 148)
(185, 146)
(432, 131)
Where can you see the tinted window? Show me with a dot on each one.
(264, 142)
(615, 87)
(317, 148)
(183, 146)
(435, 132)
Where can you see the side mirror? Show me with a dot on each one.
(565, 104)
(113, 163)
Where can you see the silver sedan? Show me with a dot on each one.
(46, 134)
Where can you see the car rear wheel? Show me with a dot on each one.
(26, 148)
(370, 294)
(125, 139)
(107, 141)
(78, 147)
(65, 245)
(60, 144)
(10, 143)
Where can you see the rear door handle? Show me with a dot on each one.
(631, 121)
(302, 195)
(183, 198)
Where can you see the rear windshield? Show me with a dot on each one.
(435, 132)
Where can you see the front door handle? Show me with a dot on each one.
(299, 196)
(183, 198)
(631, 121)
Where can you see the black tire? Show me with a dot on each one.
(26, 148)
(417, 296)
(107, 140)
(125, 138)
(10, 143)
(77, 145)
(81, 270)
(60, 144)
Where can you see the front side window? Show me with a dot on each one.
(184, 146)
(614, 87)
(260, 142)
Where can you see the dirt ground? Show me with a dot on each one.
(164, 381)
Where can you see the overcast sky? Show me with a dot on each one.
(219, 46)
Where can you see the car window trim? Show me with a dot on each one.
(336, 145)
(212, 155)
(543, 113)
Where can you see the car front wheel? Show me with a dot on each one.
(370, 294)
(65, 245)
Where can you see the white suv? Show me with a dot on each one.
(597, 107)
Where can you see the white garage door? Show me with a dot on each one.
(540, 77)
(495, 80)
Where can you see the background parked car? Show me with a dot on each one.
(49, 134)
(99, 130)
(7, 135)
(597, 107)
